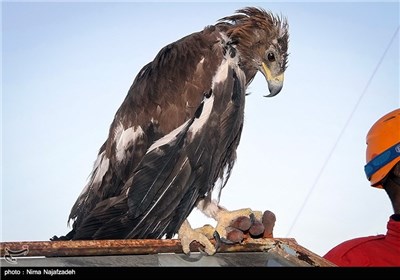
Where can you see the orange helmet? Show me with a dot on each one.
(383, 147)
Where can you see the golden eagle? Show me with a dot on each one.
(174, 138)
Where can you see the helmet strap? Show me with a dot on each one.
(381, 160)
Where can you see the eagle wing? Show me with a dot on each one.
(172, 138)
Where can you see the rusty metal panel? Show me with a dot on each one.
(278, 251)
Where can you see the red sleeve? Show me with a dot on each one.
(349, 252)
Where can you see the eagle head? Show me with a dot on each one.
(262, 40)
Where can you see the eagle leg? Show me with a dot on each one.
(187, 235)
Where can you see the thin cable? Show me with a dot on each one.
(342, 132)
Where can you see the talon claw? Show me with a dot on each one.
(217, 240)
(202, 252)
(227, 241)
(252, 218)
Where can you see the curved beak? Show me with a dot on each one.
(275, 84)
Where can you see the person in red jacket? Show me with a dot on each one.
(383, 171)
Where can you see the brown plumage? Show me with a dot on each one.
(174, 137)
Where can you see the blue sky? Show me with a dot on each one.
(66, 68)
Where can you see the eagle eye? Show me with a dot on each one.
(271, 57)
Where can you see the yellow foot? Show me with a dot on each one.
(187, 235)
(207, 230)
(225, 218)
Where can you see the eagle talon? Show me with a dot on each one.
(187, 235)
(202, 252)
(227, 241)
(252, 217)
(218, 240)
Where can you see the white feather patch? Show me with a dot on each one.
(100, 167)
(221, 73)
(125, 138)
(220, 76)
(205, 114)
(210, 209)
(167, 138)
